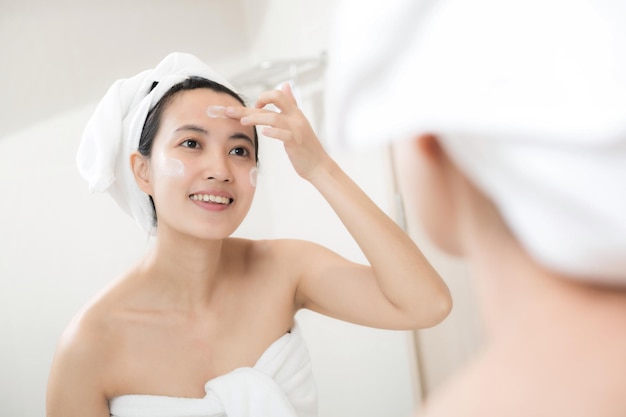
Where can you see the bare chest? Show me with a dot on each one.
(178, 358)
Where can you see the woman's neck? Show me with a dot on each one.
(545, 334)
(521, 299)
(186, 270)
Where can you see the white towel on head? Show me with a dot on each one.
(528, 96)
(112, 133)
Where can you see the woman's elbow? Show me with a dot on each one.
(442, 307)
(438, 307)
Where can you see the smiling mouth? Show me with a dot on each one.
(211, 198)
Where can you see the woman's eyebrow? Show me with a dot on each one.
(243, 136)
(194, 128)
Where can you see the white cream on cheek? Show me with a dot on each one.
(169, 167)
(254, 172)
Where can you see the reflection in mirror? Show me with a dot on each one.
(61, 245)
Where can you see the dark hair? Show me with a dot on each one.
(153, 120)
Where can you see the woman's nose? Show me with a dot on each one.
(217, 168)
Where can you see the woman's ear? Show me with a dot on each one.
(140, 166)
(426, 181)
(429, 146)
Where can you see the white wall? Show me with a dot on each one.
(56, 55)
(58, 246)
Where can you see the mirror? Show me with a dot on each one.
(60, 245)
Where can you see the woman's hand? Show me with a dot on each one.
(289, 125)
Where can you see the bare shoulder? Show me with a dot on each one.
(310, 257)
(88, 332)
(292, 256)
(87, 340)
(77, 377)
(264, 245)
(287, 248)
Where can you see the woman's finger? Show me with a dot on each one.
(286, 89)
(283, 99)
(269, 97)
(249, 116)
(283, 135)
(234, 112)
(263, 117)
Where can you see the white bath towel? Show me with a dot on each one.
(528, 97)
(279, 385)
(112, 133)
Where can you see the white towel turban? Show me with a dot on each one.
(528, 96)
(113, 131)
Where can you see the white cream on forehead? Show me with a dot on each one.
(254, 172)
(216, 112)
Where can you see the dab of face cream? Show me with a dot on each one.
(216, 112)
(254, 172)
(171, 167)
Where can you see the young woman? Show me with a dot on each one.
(203, 325)
(514, 158)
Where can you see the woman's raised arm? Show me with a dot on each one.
(400, 288)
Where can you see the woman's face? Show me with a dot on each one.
(202, 169)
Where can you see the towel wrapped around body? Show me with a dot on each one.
(279, 385)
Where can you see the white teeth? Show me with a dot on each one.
(212, 198)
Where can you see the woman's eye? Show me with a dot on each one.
(190, 143)
(240, 152)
